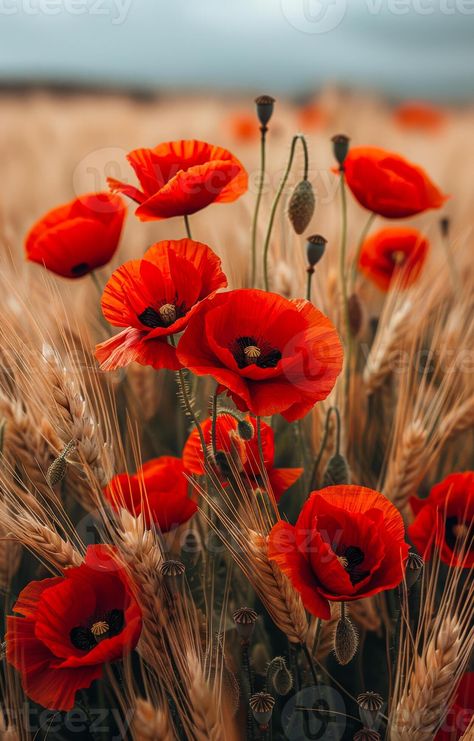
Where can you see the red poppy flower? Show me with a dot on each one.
(271, 354)
(421, 116)
(158, 491)
(70, 626)
(395, 251)
(348, 543)
(154, 298)
(243, 451)
(388, 184)
(243, 126)
(79, 237)
(460, 713)
(182, 177)
(445, 520)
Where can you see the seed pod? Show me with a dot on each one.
(355, 314)
(337, 471)
(262, 704)
(413, 569)
(444, 225)
(172, 572)
(58, 468)
(340, 147)
(245, 619)
(265, 104)
(370, 705)
(301, 206)
(245, 429)
(279, 676)
(315, 247)
(346, 641)
(367, 734)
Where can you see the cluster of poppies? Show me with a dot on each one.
(270, 355)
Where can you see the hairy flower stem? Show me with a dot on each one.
(309, 659)
(249, 679)
(187, 226)
(259, 443)
(344, 291)
(322, 447)
(261, 180)
(214, 424)
(188, 404)
(362, 238)
(276, 201)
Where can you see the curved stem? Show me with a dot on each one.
(309, 659)
(276, 200)
(257, 207)
(342, 256)
(214, 424)
(360, 243)
(259, 444)
(187, 226)
(322, 447)
(188, 404)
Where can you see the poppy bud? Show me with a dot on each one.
(245, 429)
(340, 147)
(367, 734)
(172, 572)
(444, 225)
(301, 206)
(337, 471)
(370, 705)
(264, 105)
(346, 641)
(279, 676)
(414, 567)
(223, 464)
(315, 246)
(262, 704)
(57, 470)
(245, 619)
(355, 314)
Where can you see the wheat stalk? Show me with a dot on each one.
(407, 466)
(282, 601)
(457, 420)
(207, 721)
(428, 692)
(379, 360)
(150, 723)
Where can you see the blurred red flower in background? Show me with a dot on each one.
(394, 252)
(347, 543)
(154, 298)
(181, 177)
(244, 453)
(79, 237)
(158, 491)
(389, 185)
(460, 713)
(445, 520)
(271, 354)
(70, 626)
(420, 116)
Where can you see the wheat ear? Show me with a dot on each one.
(426, 699)
(207, 722)
(150, 723)
(404, 469)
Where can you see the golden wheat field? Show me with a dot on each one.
(236, 503)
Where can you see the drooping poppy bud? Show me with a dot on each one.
(301, 206)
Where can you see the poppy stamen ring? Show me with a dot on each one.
(168, 314)
(398, 257)
(100, 628)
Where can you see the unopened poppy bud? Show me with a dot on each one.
(367, 734)
(340, 147)
(262, 704)
(414, 567)
(58, 468)
(223, 464)
(370, 705)
(245, 619)
(265, 104)
(444, 225)
(354, 309)
(279, 676)
(315, 247)
(346, 641)
(172, 572)
(245, 429)
(337, 471)
(301, 206)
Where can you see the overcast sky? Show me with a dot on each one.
(422, 48)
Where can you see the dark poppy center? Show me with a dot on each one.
(86, 637)
(351, 559)
(162, 317)
(80, 269)
(250, 351)
(459, 535)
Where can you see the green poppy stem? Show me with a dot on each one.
(258, 201)
(187, 226)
